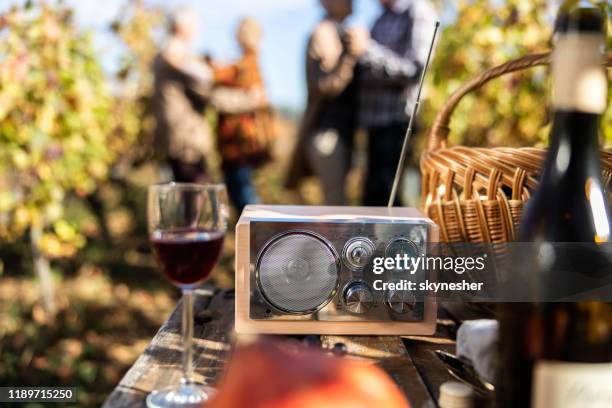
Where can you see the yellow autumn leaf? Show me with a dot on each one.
(21, 217)
(53, 211)
(7, 201)
(20, 159)
(64, 231)
(50, 245)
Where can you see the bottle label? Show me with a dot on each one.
(572, 385)
(579, 77)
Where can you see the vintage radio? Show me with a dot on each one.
(307, 269)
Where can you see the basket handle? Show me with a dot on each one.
(439, 131)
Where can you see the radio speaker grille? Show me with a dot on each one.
(298, 272)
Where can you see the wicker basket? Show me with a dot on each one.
(477, 194)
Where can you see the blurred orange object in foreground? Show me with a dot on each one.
(269, 374)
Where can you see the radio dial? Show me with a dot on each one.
(401, 301)
(358, 252)
(358, 298)
(401, 247)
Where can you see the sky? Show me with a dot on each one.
(286, 25)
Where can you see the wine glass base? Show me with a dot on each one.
(184, 395)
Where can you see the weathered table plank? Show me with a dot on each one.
(407, 360)
(430, 370)
(391, 355)
(420, 348)
(160, 364)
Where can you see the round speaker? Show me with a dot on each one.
(298, 272)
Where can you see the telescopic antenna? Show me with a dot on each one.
(402, 159)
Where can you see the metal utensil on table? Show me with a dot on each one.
(464, 371)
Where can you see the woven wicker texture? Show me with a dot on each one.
(477, 194)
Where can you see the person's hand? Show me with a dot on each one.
(357, 40)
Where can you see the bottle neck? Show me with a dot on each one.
(579, 78)
(579, 98)
(574, 136)
(570, 203)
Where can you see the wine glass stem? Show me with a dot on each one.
(187, 335)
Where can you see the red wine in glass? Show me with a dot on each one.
(187, 256)
(186, 224)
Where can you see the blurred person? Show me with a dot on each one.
(390, 67)
(325, 139)
(244, 139)
(184, 85)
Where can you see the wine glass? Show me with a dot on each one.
(187, 224)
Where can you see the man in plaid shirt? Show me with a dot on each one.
(389, 73)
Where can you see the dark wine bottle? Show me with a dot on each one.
(552, 353)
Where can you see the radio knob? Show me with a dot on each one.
(358, 298)
(401, 247)
(358, 252)
(400, 301)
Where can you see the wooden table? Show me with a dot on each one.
(408, 360)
